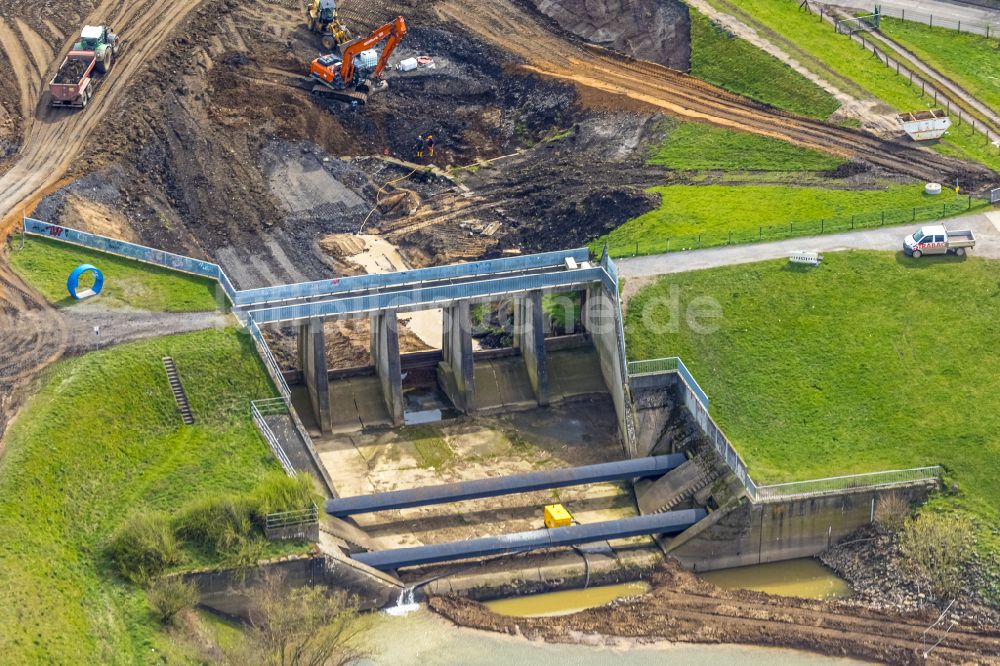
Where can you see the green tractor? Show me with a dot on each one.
(104, 44)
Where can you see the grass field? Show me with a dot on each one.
(697, 146)
(822, 47)
(713, 211)
(45, 264)
(738, 66)
(972, 61)
(871, 361)
(101, 439)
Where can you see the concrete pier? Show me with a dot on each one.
(457, 370)
(385, 357)
(312, 360)
(530, 334)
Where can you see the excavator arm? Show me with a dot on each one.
(393, 32)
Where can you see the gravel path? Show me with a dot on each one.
(123, 325)
(639, 271)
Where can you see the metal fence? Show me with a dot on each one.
(995, 196)
(697, 404)
(413, 278)
(672, 364)
(270, 437)
(938, 21)
(281, 519)
(793, 229)
(121, 248)
(852, 25)
(839, 484)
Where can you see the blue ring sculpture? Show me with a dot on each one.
(73, 283)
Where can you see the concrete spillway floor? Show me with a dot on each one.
(571, 434)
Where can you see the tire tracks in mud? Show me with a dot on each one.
(32, 333)
(549, 54)
(682, 608)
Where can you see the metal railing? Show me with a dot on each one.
(271, 438)
(697, 404)
(122, 248)
(938, 21)
(792, 229)
(413, 278)
(270, 363)
(422, 298)
(658, 366)
(281, 519)
(839, 484)
(995, 195)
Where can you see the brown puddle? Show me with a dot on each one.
(565, 602)
(806, 578)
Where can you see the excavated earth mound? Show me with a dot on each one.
(656, 30)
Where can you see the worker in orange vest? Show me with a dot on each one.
(430, 145)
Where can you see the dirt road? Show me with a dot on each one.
(549, 53)
(680, 607)
(33, 334)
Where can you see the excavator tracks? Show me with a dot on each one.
(548, 53)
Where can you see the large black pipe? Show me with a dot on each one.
(504, 485)
(669, 522)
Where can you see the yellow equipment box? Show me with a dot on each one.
(556, 515)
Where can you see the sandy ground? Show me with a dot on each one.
(683, 608)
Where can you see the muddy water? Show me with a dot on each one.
(565, 602)
(424, 639)
(805, 578)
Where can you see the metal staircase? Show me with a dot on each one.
(178, 390)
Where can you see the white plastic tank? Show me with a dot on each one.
(932, 188)
(408, 65)
(366, 59)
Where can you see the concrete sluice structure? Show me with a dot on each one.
(539, 409)
(548, 403)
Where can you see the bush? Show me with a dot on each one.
(169, 596)
(935, 550)
(891, 511)
(279, 492)
(143, 547)
(215, 523)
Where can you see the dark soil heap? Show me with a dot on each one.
(72, 71)
(655, 30)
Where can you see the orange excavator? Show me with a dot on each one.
(359, 73)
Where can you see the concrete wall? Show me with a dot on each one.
(531, 341)
(312, 360)
(385, 357)
(226, 591)
(601, 321)
(774, 531)
(456, 370)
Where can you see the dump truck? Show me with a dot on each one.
(94, 54)
(935, 239)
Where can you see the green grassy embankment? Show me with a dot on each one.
(823, 50)
(872, 361)
(690, 146)
(708, 215)
(46, 264)
(101, 440)
(972, 61)
(738, 66)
